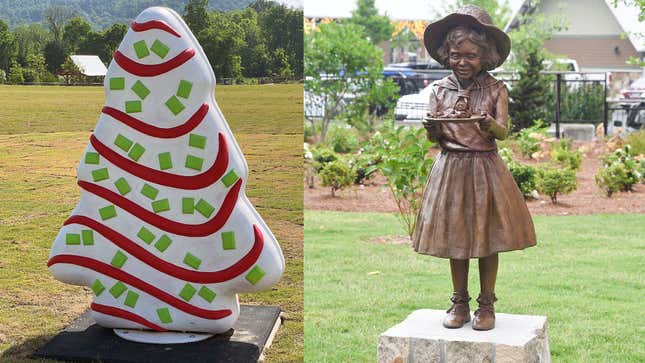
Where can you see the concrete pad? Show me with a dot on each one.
(421, 337)
(85, 341)
(578, 132)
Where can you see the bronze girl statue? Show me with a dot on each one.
(471, 206)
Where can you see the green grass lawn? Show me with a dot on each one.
(586, 275)
(38, 191)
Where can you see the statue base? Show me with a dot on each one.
(85, 341)
(421, 337)
(153, 337)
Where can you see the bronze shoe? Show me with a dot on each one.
(459, 312)
(485, 315)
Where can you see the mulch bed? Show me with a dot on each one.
(375, 196)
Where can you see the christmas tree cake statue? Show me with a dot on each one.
(164, 234)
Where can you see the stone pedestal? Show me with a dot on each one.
(422, 338)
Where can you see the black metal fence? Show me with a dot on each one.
(572, 97)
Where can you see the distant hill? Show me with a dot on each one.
(100, 13)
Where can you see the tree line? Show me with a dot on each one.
(262, 40)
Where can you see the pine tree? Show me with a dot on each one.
(528, 96)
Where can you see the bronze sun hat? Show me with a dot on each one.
(470, 16)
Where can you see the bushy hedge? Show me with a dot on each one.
(619, 171)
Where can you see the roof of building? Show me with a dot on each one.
(89, 65)
(626, 16)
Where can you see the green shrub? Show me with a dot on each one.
(562, 154)
(15, 74)
(552, 181)
(404, 162)
(310, 131)
(342, 138)
(523, 174)
(322, 155)
(337, 175)
(619, 171)
(364, 166)
(529, 139)
(637, 141)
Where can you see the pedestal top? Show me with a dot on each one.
(510, 329)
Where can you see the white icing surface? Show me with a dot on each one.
(208, 248)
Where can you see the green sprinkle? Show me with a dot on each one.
(174, 105)
(149, 191)
(117, 83)
(141, 49)
(136, 152)
(97, 287)
(88, 237)
(123, 186)
(197, 141)
(193, 162)
(192, 260)
(145, 235)
(73, 239)
(107, 212)
(161, 205)
(188, 292)
(207, 294)
(91, 158)
(165, 161)
(140, 89)
(164, 315)
(132, 106)
(123, 143)
(188, 205)
(230, 178)
(163, 243)
(184, 89)
(228, 240)
(131, 299)
(204, 208)
(119, 259)
(255, 275)
(118, 289)
(159, 49)
(100, 174)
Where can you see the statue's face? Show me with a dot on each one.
(465, 60)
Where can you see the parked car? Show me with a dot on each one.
(634, 90)
(629, 115)
(413, 77)
(413, 107)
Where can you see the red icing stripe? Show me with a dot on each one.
(124, 314)
(189, 182)
(134, 281)
(150, 70)
(159, 264)
(150, 130)
(154, 24)
(192, 230)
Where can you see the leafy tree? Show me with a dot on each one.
(196, 16)
(256, 58)
(638, 3)
(56, 17)
(528, 96)
(75, 32)
(34, 70)
(54, 55)
(339, 60)
(283, 28)
(377, 27)
(7, 47)
(222, 42)
(530, 36)
(15, 73)
(30, 39)
(280, 66)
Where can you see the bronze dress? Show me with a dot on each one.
(471, 205)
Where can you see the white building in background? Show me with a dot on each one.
(89, 65)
